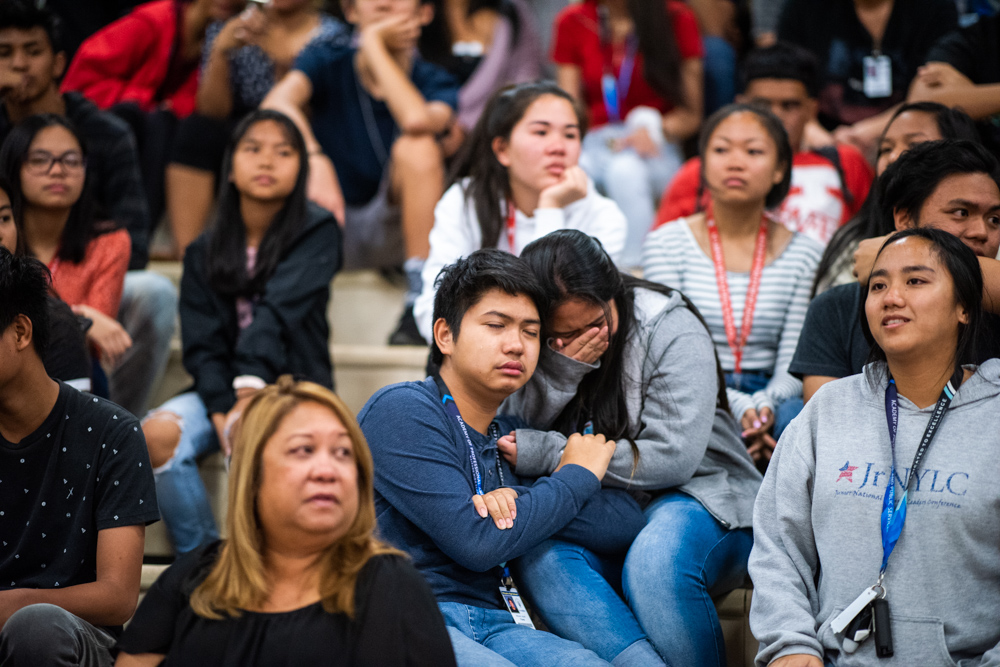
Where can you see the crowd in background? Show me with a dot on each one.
(518, 165)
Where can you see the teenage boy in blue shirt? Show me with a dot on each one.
(438, 474)
(376, 111)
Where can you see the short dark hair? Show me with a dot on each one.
(967, 277)
(25, 15)
(783, 61)
(774, 128)
(461, 285)
(912, 179)
(24, 290)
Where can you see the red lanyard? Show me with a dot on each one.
(738, 341)
(511, 224)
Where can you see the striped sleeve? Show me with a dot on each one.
(673, 257)
(783, 385)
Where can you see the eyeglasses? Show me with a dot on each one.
(41, 162)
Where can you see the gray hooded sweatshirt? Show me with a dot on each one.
(684, 441)
(817, 535)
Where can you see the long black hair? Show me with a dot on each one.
(869, 223)
(967, 277)
(774, 129)
(82, 225)
(655, 32)
(226, 264)
(489, 181)
(571, 265)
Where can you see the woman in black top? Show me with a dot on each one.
(301, 580)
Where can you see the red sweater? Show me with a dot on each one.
(98, 280)
(129, 61)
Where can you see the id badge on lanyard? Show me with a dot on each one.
(877, 82)
(868, 615)
(614, 89)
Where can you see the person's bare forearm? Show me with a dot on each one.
(408, 107)
(215, 98)
(978, 101)
(278, 101)
(98, 603)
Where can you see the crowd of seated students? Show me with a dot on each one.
(611, 452)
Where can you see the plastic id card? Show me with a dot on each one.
(512, 599)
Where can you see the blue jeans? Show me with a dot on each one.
(490, 638)
(578, 594)
(180, 493)
(784, 412)
(633, 182)
(148, 312)
(678, 563)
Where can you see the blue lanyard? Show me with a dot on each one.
(615, 90)
(449, 406)
(894, 514)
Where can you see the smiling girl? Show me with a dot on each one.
(254, 295)
(748, 275)
(822, 536)
(516, 180)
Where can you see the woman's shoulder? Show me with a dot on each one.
(677, 236)
(109, 240)
(803, 250)
(391, 578)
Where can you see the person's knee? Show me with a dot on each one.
(35, 631)
(419, 154)
(163, 434)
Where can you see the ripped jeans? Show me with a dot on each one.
(180, 493)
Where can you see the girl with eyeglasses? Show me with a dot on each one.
(46, 162)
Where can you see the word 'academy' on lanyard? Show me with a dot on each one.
(869, 615)
(738, 340)
(615, 90)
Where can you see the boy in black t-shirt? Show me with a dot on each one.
(76, 492)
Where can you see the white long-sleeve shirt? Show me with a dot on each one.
(673, 257)
(457, 234)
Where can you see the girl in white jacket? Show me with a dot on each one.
(516, 180)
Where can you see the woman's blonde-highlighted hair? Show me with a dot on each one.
(238, 579)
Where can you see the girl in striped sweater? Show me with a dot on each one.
(748, 275)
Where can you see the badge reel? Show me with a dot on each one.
(878, 76)
(867, 616)
(512, 600)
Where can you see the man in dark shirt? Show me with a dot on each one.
(950, 185)
(31, 63)
(76, 492)
(434, 444)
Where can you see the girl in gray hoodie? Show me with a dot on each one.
(633, 360)
(822, 510)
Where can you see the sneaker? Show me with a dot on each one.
(406, 332)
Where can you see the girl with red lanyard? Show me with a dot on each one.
(748, 275)
(637, 67)
(515, 180)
